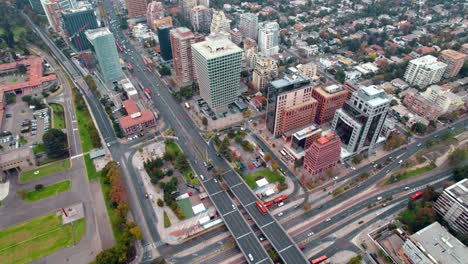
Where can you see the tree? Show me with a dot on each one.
(429, 195)
(181, 162)
(274, 165)
(340, 76)
(273, 254)
(204, 121)
(136, 232)
(55, 143)
(267, 157)
(38, 187)
(460, 173)
(355, 260)
(419, 128)
(424, 217)
(160, 202)
(306, 206)
(107, 256)
(393, 102)
(224, 147)
(247, 113)
(458, 156)
(165, 70)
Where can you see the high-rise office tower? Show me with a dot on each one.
(217, 64)
(181, 43)
(136, 8)
(359, 122)
(155, 10)
(106, 53)
(323, 154)
(248, 25)
(220, 23)
(200, 17)
(76, 21)
(268, 38)
(454, 61)
(424, 71)
(186, 8)
(277, 93)
(165, 42)
(330, 98)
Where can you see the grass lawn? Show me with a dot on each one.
(45, 170)
(39, 148)
(59, 116)
(175, 148)
(409, 174)
(48, 191)
(37, 238)
(167, 221)
(113, 217)
(263, 173)
(85, 123)
(186, 207)
(90, 169)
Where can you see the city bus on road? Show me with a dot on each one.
(149, 69)
(148, 93)
(129, 66)
(268, 204)
(280, 199)
(118, 46)
(319, 260)
(261, 207)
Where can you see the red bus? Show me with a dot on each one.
(145, 61)
(269, 203)
(280, 199)
(318, 260)
(129, 66)
(416, 195)
(261, 207)
(149, 69)
(147, 92)
(118, 46)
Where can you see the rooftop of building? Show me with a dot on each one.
(437, 243)
(459, 191)
(92, 34)
(428, 61)
(35, 73)
(134, 115)
(289, 79)
(182, 33)
(80, 7)
(326, 138)
(304, 132)
(456, 55)
(17, 154)
(329, 90)
(373, 95)
(216, 46)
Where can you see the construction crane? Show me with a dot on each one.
(78, 41)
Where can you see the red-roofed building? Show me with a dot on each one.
(35, 75)
(424, 50)
(298, 27)
(135, 121)
(323, 154)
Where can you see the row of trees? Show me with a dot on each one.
(420, 214)
(395, 140)
(123, 251)
(81, 106)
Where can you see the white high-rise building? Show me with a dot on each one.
(424, 71)
(217, 64)
(248, 25)
(268, 38)
(359, 122)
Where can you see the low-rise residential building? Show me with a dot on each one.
(433, 244)
(452, 205)
(421, 106)
(443, 98)
(309, 70)
(323, 154)
(136, 120)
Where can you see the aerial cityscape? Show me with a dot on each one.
(226, 132)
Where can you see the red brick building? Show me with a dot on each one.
(136, 8)
(454, 61)
(323, 154)
(329, 99)
(135, 121)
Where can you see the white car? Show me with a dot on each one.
(215, 180)
(251, 257)
(379, 198)
(280, 214)
(201, 177)
(280, 204)
(328, 220)
(310, 234)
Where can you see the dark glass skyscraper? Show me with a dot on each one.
(77, 21)
(165, 42)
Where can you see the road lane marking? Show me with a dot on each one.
(239, 237)
(285, 248)
(229, 213)
(240, 183)
(265, 225)
(218, 192)
(77, 156)
(249, 204)
(264, 260)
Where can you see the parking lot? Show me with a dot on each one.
(22, 125)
